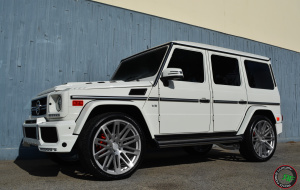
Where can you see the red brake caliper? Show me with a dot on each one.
(98, 147)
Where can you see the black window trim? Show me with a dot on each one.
(168, 45)
(203, 56)
(271, 71)
(239, 65)
(274, 81)
(208, 49)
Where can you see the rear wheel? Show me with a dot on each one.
(112, 146)
(260, 140)
(199, 150)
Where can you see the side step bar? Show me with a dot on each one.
(199, 141)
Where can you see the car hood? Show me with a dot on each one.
(97, 85)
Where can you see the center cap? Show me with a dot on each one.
(115, 146)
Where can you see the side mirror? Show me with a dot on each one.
(171, 74)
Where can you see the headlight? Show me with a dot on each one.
(58, 103)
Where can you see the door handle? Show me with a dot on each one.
(242, 102)
(204, 100)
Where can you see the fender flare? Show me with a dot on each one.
(250, 112)
(90, 106)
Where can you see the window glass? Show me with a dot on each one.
(141, 66)
(259, 75)
(225, 70)
(190, 62)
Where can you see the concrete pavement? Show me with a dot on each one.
(163, 169)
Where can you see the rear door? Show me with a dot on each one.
(229, 91)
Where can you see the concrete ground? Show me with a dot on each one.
(163, 169)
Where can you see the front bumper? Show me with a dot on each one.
(54, 136)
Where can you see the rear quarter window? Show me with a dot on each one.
(259, 75)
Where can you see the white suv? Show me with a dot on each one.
(177, 94)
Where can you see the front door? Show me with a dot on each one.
(185, 105)
(229, 91)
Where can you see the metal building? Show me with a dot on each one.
(50, 42)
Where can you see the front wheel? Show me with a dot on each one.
(260, 140)
(112, 146)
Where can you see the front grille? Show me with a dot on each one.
(39, 106)
(30, 132)
(49, 134)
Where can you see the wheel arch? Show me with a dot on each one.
(129, 108)
(256, 110)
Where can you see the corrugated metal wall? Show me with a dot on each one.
(49, 42)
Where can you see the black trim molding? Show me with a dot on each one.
(245, 102)
(225, 102)
(109, 97)
(164, 141)
(265, 103)
(178, 100)
(130, 98)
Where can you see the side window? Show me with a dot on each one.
(190, 62)
(259, 75)
(225, 70)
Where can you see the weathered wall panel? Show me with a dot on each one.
(49, 42)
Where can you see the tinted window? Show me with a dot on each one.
(259, 75)
(225, 70)
(140, 66)
(190, 62)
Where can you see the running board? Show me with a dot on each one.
(176, 142)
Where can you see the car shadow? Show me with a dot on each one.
(154, 158)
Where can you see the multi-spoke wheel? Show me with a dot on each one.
(199, 150)
(111, 146)
(259, 139)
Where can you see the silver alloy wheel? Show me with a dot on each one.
(263, 139)
(116, 147)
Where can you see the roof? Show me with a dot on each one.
(216, 48)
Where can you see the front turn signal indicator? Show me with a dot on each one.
(77, 103)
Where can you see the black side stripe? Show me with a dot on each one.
(153, 99)
(134, 98)
(265, 103)
(225, 102)
(178, 100)
(128, 98)
(109, 97)
(245, 102)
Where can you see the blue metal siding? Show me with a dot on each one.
(50, 42)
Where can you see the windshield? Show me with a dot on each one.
(141, 66)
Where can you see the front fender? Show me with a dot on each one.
(89, 107)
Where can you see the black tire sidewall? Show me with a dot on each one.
(86, 144)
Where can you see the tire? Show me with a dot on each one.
(199, 150)
(111, 146)
(260, 140)
(64, 158)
